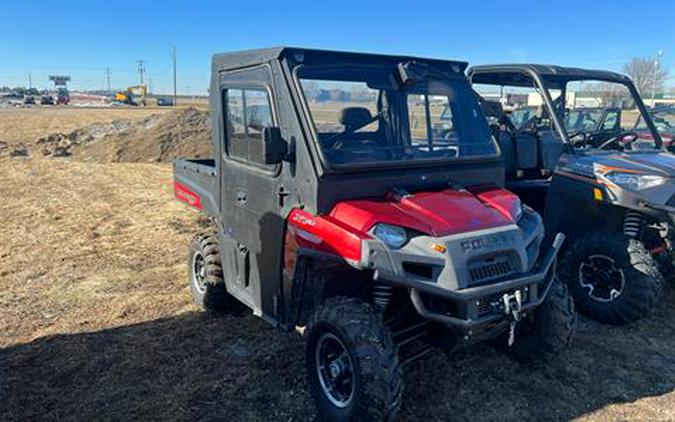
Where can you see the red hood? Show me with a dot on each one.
(433, 213)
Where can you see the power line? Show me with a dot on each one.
(173, 58)
(107, 78)
(141, 69)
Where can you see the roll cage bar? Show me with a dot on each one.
(546, 76)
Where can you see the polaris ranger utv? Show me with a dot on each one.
(614, 201)
(341, 212)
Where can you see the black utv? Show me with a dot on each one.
(345, 206)
(613, 200)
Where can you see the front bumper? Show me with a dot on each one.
(477, 309)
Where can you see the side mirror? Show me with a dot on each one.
(273, 146)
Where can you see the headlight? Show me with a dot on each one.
(392, 236)
(635, 181)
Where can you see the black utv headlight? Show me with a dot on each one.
(635, 181)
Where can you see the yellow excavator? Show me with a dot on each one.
(134, 95)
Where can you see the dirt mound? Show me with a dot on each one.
(61, 144)
(18, 150)
(185, 132)
(157, 138)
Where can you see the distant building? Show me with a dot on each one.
(332, 95)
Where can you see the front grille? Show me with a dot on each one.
(490, 269)
(484, 307)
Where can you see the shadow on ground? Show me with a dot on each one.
(205, 366)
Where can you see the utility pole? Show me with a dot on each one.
(657, 60)
(141, 69)
(173, 58)
(107, 78)
(30, 81)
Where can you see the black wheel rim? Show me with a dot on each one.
(335, 370)
(199, 272)
(602, 278)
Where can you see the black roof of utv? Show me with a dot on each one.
(246, 58)
(515, 74)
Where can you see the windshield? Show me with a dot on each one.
(664, 120)
(601, 114)
(362, 115)
(583, 119)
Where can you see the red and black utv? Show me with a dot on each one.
(664, 121)
(607, 186)
(346, 207)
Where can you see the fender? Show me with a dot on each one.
(323, 235)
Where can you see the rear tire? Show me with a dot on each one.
(612, 277)
(548, 330)
(352, 363)
(205, 273)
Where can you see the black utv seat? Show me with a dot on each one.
(551, 148)
(520, 150)
(507, 146)
(550, 145)
(494, 112)
(527, 151)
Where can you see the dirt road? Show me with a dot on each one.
(97, 325)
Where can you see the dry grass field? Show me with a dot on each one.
(97, 324)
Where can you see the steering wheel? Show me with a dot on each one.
(582, 141)
(625, 139)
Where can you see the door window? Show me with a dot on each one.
(248, 112)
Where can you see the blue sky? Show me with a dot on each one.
(82, 38)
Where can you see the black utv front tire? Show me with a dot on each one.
(370, 385)
(627, 259)
(205, 273)
(548, 330)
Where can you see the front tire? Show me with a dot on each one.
(352, 363)
(205, 273)
(613, 278)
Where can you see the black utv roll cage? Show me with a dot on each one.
(546, 77)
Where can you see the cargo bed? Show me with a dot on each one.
(195, 183)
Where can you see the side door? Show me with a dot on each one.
(253, 229)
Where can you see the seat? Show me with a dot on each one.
(506, 145)
(354, 118)
(551, 148)
(499, 125)
(358, 146)
(526, 150)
